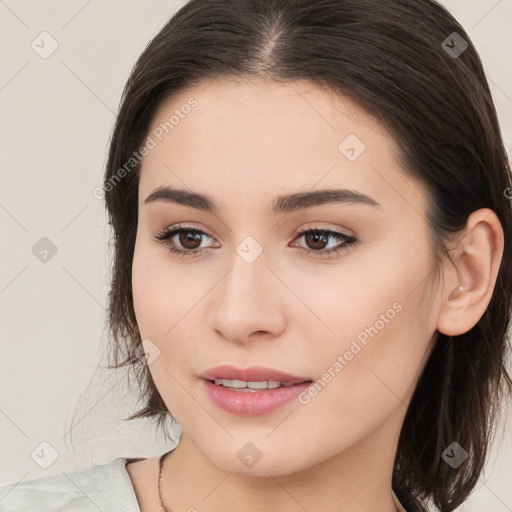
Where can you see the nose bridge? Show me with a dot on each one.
(247, 300)
(247, 283)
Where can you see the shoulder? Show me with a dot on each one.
(100, 487)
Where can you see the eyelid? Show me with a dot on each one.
(311, 226)
(298, 232)
(171, 231)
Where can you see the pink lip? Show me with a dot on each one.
(247, 403)
(255, 373)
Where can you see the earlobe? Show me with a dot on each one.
(470, 280)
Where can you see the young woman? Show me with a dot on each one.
(312, 269)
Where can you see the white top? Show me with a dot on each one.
(103, 487)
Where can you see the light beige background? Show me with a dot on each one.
(56, 118)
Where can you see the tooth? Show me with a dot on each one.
(251, 386)
(223, 382)
(257, 385)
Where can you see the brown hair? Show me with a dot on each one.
(402, 62)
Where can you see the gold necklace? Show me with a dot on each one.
(160, 475)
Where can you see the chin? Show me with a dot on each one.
(249, 460)
(262, 469)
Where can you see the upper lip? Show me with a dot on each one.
(252, 374)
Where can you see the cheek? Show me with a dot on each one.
(162, 294)
(376, 298)
(381, 329)
(162, 300)
(167, 298)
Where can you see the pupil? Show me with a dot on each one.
(188, 237)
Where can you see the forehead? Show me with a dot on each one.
(256, 138)
(255, 104)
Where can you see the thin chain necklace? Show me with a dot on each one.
(160, 475)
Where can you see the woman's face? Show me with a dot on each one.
(355, 324)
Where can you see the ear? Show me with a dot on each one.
(470, 282)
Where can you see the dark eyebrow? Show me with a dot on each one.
(282, 204)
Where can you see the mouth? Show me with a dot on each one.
(253, 386)
(255, 378)
(251, 391)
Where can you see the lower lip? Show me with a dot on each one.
(246, 403)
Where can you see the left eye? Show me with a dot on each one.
(190, 239)
(313, 237)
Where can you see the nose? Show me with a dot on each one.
(249, 303)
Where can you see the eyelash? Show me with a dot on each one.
(165, 235)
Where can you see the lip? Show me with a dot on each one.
(252, 374)
(246, 403)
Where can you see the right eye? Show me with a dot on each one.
(188, 238)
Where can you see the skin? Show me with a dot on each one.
(243, 145)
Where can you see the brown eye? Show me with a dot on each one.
(189, 239)
(182, 240)
(317, 240)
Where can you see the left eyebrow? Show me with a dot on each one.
(282, 204)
